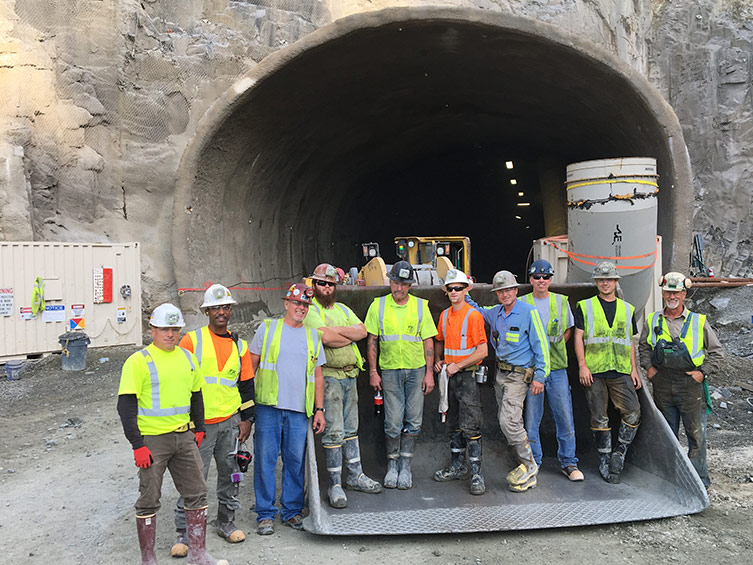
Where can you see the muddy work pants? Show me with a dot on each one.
(680, 398)
(464, 411)
(178, 453)
(340, 410)
(510, 391)
(621, 391)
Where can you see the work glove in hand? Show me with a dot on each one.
(143, 457)
(199, 438)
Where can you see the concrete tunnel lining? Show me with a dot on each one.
(295, 164)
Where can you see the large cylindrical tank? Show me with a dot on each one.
(612, 205)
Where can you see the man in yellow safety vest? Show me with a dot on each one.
(159, 394)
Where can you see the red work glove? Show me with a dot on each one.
(199, 438)
(143, 457)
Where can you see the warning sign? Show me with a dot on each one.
(77, 324)
(78, 310)
(25, 313)
(6, 301)
(102, 285)
(121, 316)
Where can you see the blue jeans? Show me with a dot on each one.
(403, 400)
(280, 432)
(557, 392)
(341, 411)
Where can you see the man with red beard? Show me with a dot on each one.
(340, 329)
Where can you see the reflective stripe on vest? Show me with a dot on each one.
(154, 379)
(607, 349)
(397, 337)
(590, 338)
(691, 334)
(555, 328)
(214, 379)
(462, 352)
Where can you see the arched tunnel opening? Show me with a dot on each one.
(405, 122)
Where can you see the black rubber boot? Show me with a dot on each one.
(457, 468)
(625, 436)
(603, 439)
(474, 456)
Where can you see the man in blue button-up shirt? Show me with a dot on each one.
(522, 351)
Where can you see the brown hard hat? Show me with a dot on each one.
(326, 272)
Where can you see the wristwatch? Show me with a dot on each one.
(318, 409)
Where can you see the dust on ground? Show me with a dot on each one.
(69, 482)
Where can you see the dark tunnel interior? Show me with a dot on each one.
(405, 128)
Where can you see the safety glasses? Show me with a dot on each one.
(539, 277)
(455, 288)
(324, 283)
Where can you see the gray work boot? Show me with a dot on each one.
(146, 526)
(457, 469)
(603, 439)
(225, 526)
(356, 480)
(625, 436)
(333, 459)
(407, 447)
(180, 547)
(474, 456)
(523, 473)
(393, 454)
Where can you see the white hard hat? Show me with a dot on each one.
(166, 316)
(502, 280)
(675, 282)
(217, 295)
(456, 276)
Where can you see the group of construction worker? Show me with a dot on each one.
(184, 402)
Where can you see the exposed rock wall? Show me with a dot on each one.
(99, 98)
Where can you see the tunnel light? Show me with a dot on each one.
(508, 164)
(513, 181)
(524, 203)
(521, 193)
(518, 218)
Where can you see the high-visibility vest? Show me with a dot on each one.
(607, 349)
(463, 351)
(220, 388)
(169, 405)
(691, 335)
(331, 353)
(266, 374)
(401, 350)
(555, 328)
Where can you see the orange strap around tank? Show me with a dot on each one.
(576, 256)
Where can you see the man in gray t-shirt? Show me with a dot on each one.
(287, 360)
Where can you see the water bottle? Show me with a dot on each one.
(378, 403)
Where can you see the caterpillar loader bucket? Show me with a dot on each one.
(658, 480)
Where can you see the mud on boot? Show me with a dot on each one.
(527, 468)
(226, 528)
(146, 526)
(625, 436)
(603, 440)
(335, 492)
(474, 456)
(529, 484)
(393, 454)
(180, 547)
(457, 469)
(196, 521)
(356, 479)
(407, 446)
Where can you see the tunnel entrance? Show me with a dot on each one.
(402, 122)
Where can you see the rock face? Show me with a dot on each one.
(100, 98)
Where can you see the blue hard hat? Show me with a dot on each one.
(541, 267)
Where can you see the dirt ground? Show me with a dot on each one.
(69, 482)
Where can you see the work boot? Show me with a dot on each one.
(146, 526)
(603, 439)
(407, 446)
(457, 469)
(521, 474)
(393, 454)
(530, 483)
(356, 479)
(625, 436)
(196, 522)
(180, 547)
(333, 459)
(225, 526)
(474, 456)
